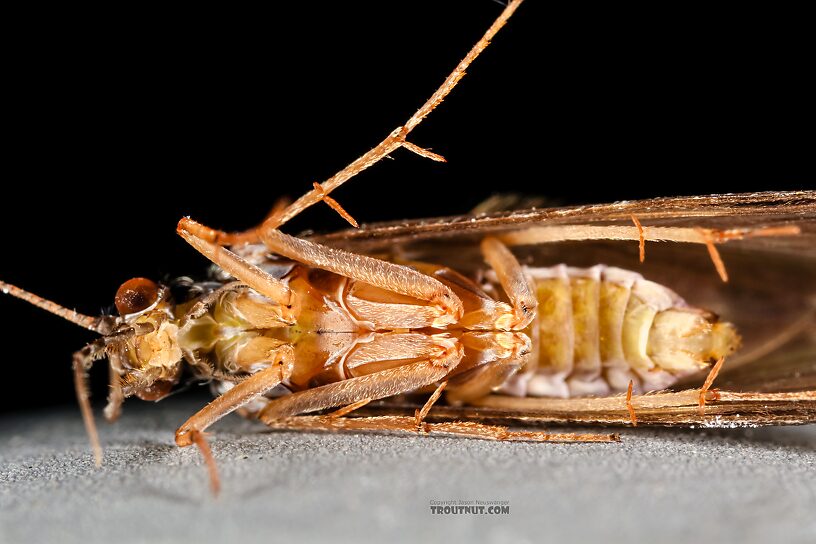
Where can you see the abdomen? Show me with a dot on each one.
(598, 328)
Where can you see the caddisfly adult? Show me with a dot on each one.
(289, 326)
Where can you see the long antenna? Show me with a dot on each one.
(96, 324)
(85, 321)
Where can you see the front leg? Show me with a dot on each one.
(83, 360)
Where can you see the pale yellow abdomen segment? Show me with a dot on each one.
(600, 327)
(556, 331)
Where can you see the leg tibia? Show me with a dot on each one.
(392, 277)
(378, 385)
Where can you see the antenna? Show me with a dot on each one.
(85, 321)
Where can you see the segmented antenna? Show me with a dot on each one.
(85, 357)
(85, 321)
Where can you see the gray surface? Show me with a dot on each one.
(747, 485)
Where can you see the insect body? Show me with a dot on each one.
(295, 326)
(586, 332)
(598, 329)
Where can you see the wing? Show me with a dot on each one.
(771, 295)
(663, 409)
(711, 211)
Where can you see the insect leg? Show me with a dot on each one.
(631, 408)
(200, 237)
(419, 415)
(116, 396)
(408, 425)
(395, 140)
(378, 385)
(641, 238)
(249, 236)
(707, 385)
(416, 425)
(192, 431)
(83, 359)
(282, 360)
(641, 234)
(200, 441)
(513, 281)
(340, 412)
(82, 362)
(479, 381)
(392, 277)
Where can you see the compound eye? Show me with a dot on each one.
(136, 295)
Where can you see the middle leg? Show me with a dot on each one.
(378, 385)
(385, 275)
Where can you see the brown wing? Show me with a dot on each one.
(711, 211)
(669, 410)
(771, 295)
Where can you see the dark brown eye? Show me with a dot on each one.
(135, 295)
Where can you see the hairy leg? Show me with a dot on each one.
(197, 236)
(392, 277)
(396, 139)
(192, 431)
(513, 280)
(378, 385)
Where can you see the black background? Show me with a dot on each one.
(117, 123)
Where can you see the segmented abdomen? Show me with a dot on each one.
(598, 328)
